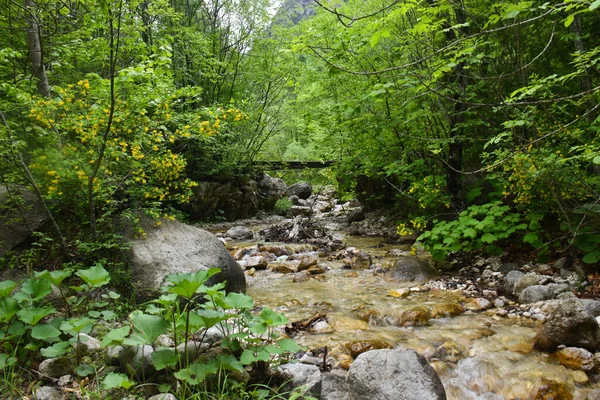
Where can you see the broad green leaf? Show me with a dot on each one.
(54, 277)
(33, 315)
(8, 308)
(17, 328)
(230, 362)
(596, 159)
(250, 356)
(45, 332)
(196, 373)
(592, 257)
(108, 315)
(470, 233)
(95, 276)
(569, 20)
(488, 238)
(163, 358)
(57, 349)
(6, 288)
(531, 238)
(594, 5)
(115, 337)
(238, 300)
(146, 328)
(37, 289)
(84, 370)
(212, 317)
(288, 345)
(114, 380)
(74, 326)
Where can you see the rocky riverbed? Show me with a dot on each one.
(348, 284)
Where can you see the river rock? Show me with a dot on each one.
(113, 355)
(529, 279)
(535, 293)
(591, 306)
(305, 375)
(56, 367)
(257, 262)
(306, 262)
(511, 280)
(194, 349)
(508, 267)
(333, 385)
(234, 199)
(301, 189)
(358, 347)
(270, 190)
(362, 260)
(412, 269)
(570, 325)
(18, 221)
(393, 375)
(445, 310)
(356, 215)
(551, 389)
(137, 360)
(87, 344)
(163, 396)
(277, 250)
(576, 358)
(179, 248)
(48, 393)
(284, 268)
(239, 233)
(303, 211)
(478, 304)
(416, 316)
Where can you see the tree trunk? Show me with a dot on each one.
(34, 44)
(455, 147)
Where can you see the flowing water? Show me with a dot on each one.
(477, 355)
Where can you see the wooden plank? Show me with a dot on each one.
(278, 165)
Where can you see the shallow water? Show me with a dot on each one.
(478, 356)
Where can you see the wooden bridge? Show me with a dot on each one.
(279, 165)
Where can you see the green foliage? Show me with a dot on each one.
(282, 206)
(480, 227)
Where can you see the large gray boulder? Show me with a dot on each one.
(305, 375)
(511, 281)
(231, 199)
(239, 233)
(174, 247)
(412, 269)
(270, 190)
(535, 293)
(56, 367)
(393, 375)
(301, 189)
(20, 214)
(570, 325)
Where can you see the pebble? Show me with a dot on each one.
(415, 289)
(527, 314)
(499, 303)
(501, 312)
(538, 317)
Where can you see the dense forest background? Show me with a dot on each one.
(477, 120)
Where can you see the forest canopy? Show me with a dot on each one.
(478, 120)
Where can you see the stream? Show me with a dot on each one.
(478, 355)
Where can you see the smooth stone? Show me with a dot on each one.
(393, 375)
(306, 375)
(48, 393)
